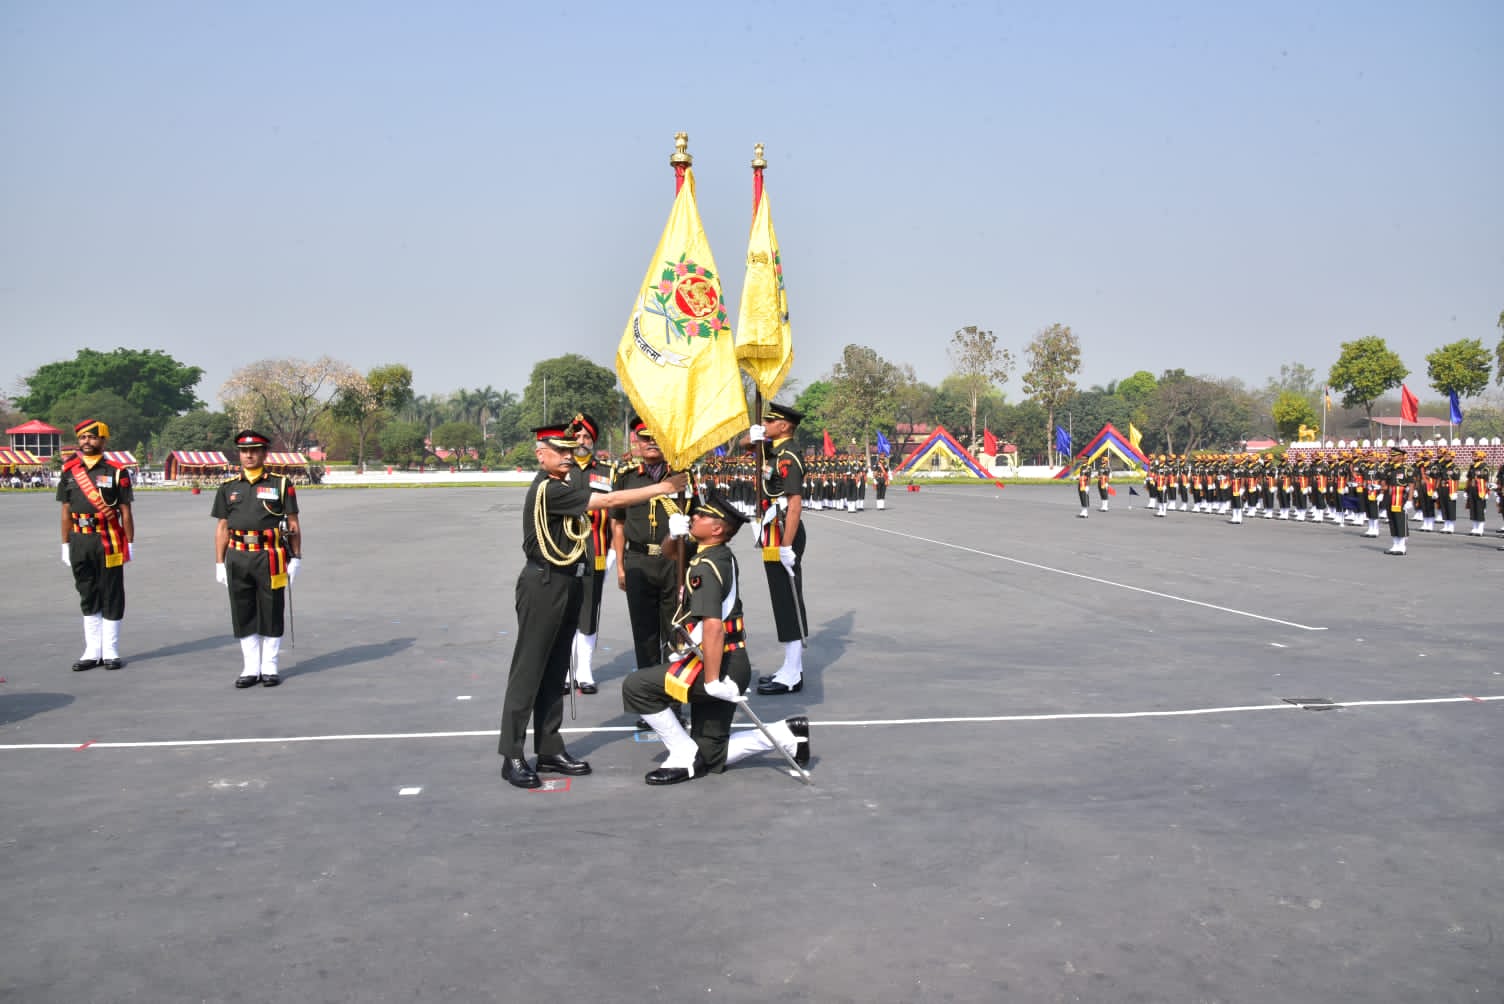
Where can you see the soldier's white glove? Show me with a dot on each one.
(65, 555)
(292, 569)
(725, 689)
(220, 576)
(678, 525)
(756, 434)
(610, 559)
(130, 550)
(786, 558)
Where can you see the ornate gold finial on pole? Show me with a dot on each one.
(681, 156)
(757, 159)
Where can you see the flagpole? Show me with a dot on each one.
(681, 160)
(759, 164)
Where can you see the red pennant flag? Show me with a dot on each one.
(1112, 491)
(989, 442)
(830, 448)
(1409, 405)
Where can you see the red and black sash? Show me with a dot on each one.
(111, 530)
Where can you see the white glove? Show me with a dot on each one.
(130, 550)
(292, 570)
(610, 559)
(219, 574)
(725, 688)
(65, 555)
(756, 434)
(786, 558)
(678, 525)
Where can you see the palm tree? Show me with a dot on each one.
(489, 402)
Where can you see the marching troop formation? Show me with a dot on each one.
(838, 482)
(1347, 487)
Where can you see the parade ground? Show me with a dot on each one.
(1054, 759)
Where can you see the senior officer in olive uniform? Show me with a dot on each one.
(645, 559)
(98, 527)
(550, 591)
(710, 681)
(597, 477)
(258, 550)
(783, 541)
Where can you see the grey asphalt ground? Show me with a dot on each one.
(952, 848)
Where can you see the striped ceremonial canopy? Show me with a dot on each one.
(123, 457)
(200, 458)
(286, 460)
(18, 458)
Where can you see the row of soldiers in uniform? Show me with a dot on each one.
(1343, 488)
(838, 482)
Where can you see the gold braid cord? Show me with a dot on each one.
(576, 528)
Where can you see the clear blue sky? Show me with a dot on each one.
(470, 187)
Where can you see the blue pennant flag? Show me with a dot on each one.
(1062, 441)
(720, 451)
(882, 443)
(1456, 409)
(1131, 491)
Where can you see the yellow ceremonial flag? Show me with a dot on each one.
(766, 347)
(677, 357)
(1326, 394)
(1134, 436)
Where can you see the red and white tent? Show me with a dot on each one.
(123, 457)
(10, 458)
(194, 463)
(279, 461)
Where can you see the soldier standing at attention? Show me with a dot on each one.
(1397, 481)
(783, 541)
(1104, 480)
(880, 481)
(550, 592)
(258, 550)
(1083, 488)
(98, 528)
(1477, 492)
(596, 476)
(645, 568)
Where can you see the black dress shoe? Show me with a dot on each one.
(799, 725)
(242, 682)
(588, 688)
(515, 770)
(774, 687)
(765, 679)
(562, 763)
(678, 775)
(270, 679)
(113, 663)
(83, 664)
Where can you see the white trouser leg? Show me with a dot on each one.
(681, 748)
(250, 655)
(792, 670)
(270, 647)
(750, 742)
(882, 503)
(584, 652)
(109, 639)
(93, 636)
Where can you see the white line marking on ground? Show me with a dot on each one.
(962, 720)
(463, 697)
(1074, 575)
(1277, 644)
(408, 791)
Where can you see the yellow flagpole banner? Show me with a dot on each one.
(1134, 436)
(677, 357)
(766, 346)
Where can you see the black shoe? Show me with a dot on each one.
(515, 770)
(270, 679)
(677, 775)
(774, 687)
(242, 682)
(799, 725)
(765, 679)
(83, 664)
(112, 663)
(562, 763)
(588, 688)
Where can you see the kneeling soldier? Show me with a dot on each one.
(711, 679)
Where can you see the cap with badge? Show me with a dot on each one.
(773, 412)
(92, 427)
(584, 422)
(640, 429)
(250, 439)
(716, 506)
(559, 437)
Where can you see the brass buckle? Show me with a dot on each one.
(655, 550)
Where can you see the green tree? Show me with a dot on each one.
(402, 443)
(1461, 366)
(979, 364)
(1290, 411)
(284, 396)
(458, 437)
(125, 420)
(1190, 413)
(1364, 370)
(1054, 359)
(1093, 409)
(814, 403)
(1499, 353)
(363, 401)
(198, 430)
(863, 388)
(564, 385)
(155, 384)
(1137, 389)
